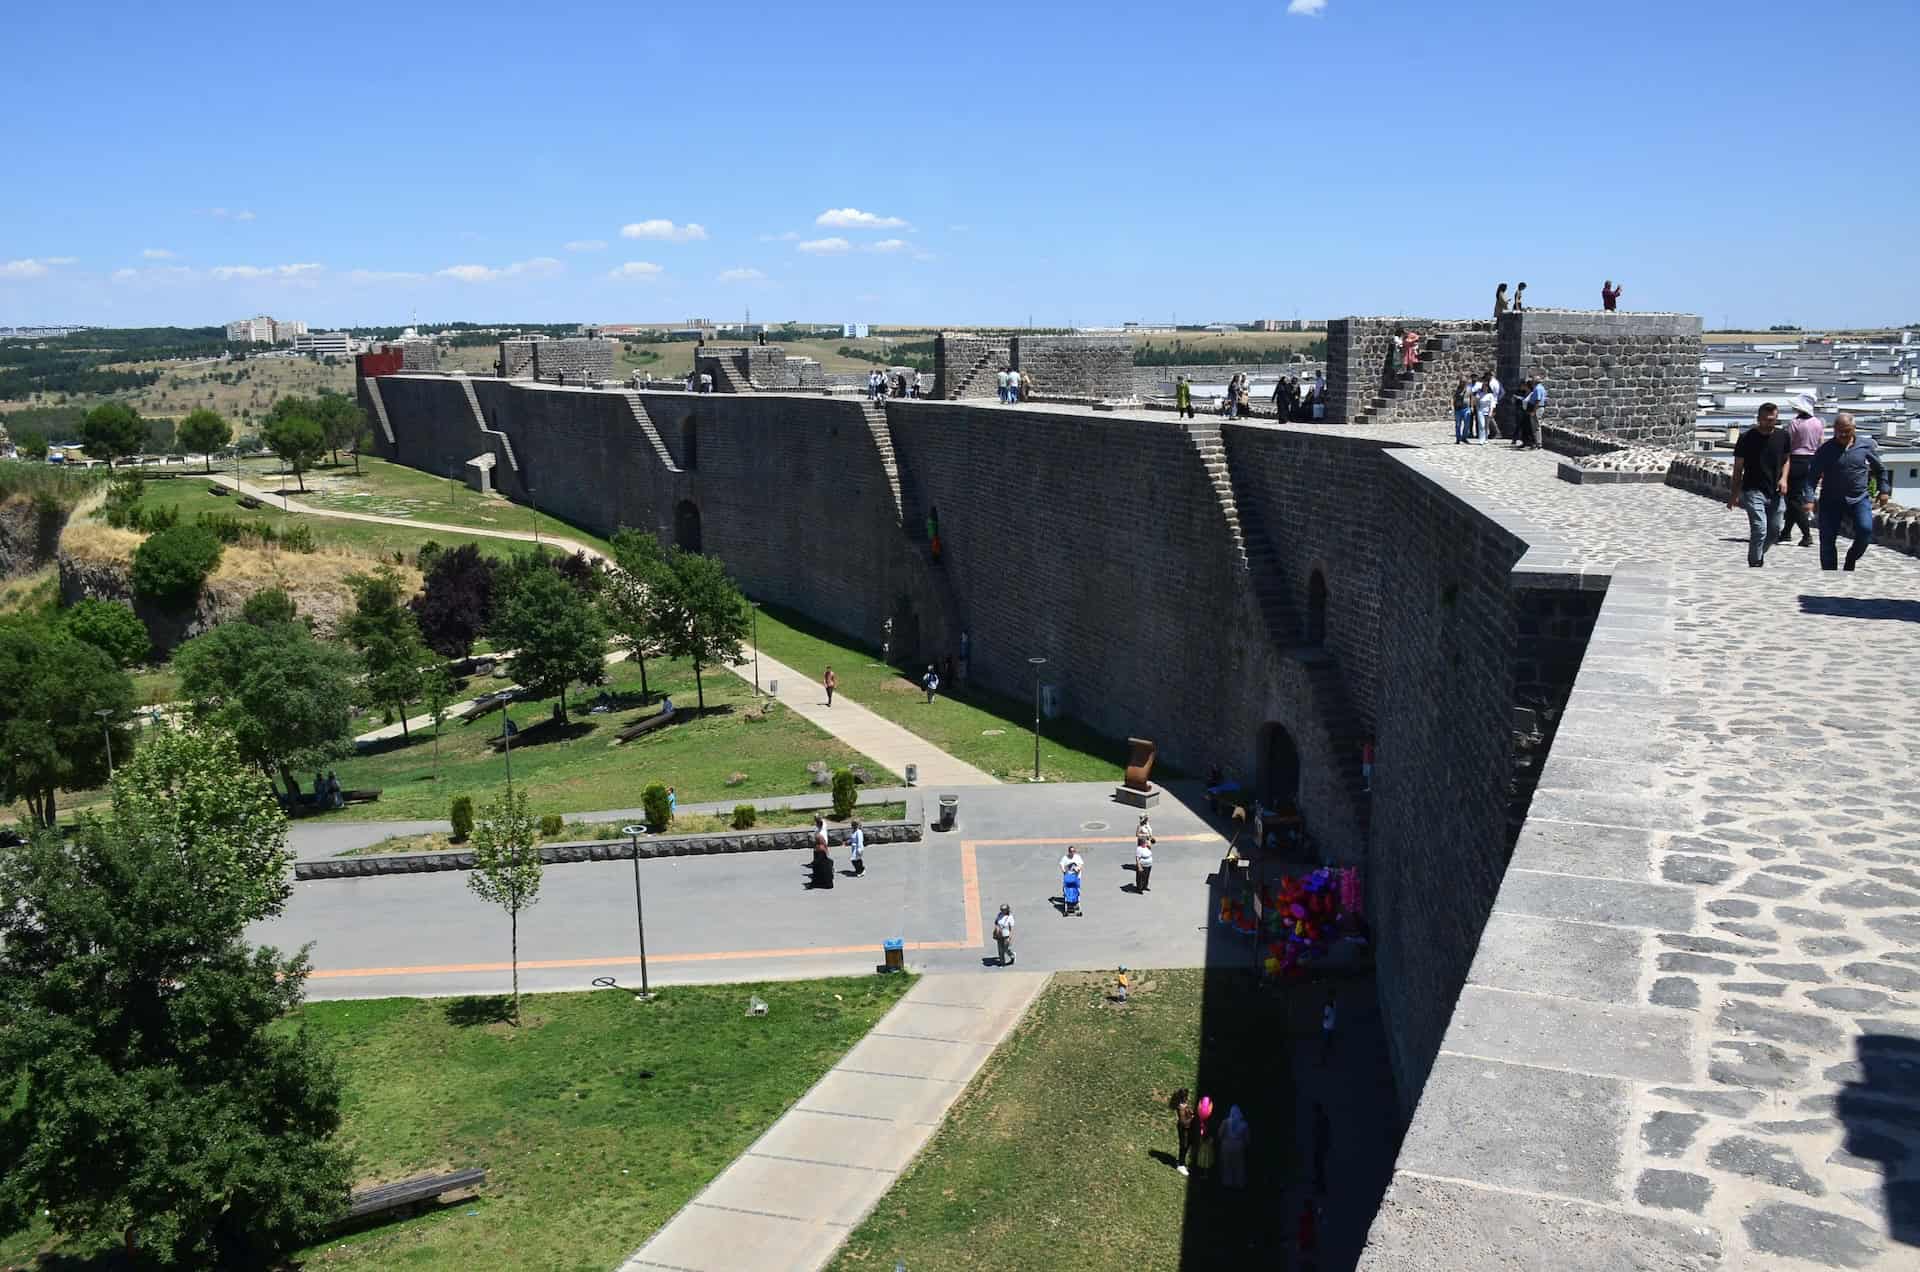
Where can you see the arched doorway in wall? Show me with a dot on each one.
(1317, 609)
(686, 525)
(1279, 767)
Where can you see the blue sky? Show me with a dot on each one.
(190, 163)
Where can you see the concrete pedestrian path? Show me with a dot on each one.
(787, 1203)
(863, 730)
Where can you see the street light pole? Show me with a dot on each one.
(105, 732)
(506, 735)
(1037, 663)
(756, 647)
(639, 915)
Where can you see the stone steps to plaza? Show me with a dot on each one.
(876, 417)
(493, 435)
(645, 421)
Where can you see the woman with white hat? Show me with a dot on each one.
(1804, 436)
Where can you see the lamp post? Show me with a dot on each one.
(506, 736)
(639, 915)
(756, 647)
(1037, 663)
(105, 713)
(534, 499)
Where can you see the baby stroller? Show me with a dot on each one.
(1070, 893)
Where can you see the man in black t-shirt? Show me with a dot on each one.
(1760, 481)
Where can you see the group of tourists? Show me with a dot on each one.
(820, 865)
(881, 385)
(1293, 399)
(1010, 385)
(1797, 476)
(1476, 412)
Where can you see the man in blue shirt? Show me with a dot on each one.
(1839, 472)
(1527, 436)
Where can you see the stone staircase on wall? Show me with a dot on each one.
(979, 377)
(1403, 387)
(480, 418)
(876, 417)
(379, 408)
(728, 378)
(645, 421)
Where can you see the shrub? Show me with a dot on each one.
(550, 824)
(110, 627)
(266, 607)
(846, 792)
(462, 818)
(659, 812)
(123, 499)
(170, 566)
(426, 555)
(744, 816)
(298, 537)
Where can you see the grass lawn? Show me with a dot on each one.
(1059, 1156)
(683, 824)
(582, 770)
(595, 1123)
(191, 496)
(985, 729)
(155, 685)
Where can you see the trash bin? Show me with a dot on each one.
(896, 954)
(949, 812)
(913, 774)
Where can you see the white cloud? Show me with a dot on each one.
(824, 247)
(855, 219)
(538, 267)
(153, 274)
(1306, 8)
(300, 271)
(744, 274)
(28, 268)
(59, 260)
(787, 237)
(663, 230)
(889, 245)
(157, 254)
(125, 275)
(587, 245)
(636, 270)
(365, 276)
(230, 214)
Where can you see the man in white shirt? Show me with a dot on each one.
(1490, 384)
(1003, 386)
(1142, 864)
(1073, 862)
(1013, 388)
(857, 848)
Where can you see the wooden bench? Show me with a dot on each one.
(218, 489)
(406, 1194)
(248, 501)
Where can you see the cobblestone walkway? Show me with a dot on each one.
(1691, 1037)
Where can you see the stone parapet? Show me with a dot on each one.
(1629, 376)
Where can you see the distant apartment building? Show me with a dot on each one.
(323, 344)
(263, 329)
(1290, 324)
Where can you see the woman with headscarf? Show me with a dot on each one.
(1204, 1135)
(1234, 1137)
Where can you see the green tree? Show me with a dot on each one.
(170, 565)
(204, 431)
(113, 430)
(298, 441)
(361, 440)
(112, 627)
(626, 597)
(286, 697)
(699, 614)
(144, 1035)
(31, 445)
(556, 633)
(436, 690)
(383, 631)
(267, 607)
(340, 419)
(506, 868)
(52, 687)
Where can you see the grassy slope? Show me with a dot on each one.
(585, 1157)
(585, 771)
(985, 730)
(1049, 1160)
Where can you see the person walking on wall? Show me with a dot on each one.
(1520, 298)
(832, 682)
(1499, 300)
(1804, 436)
(1841, 470)
(1003, 934)
(1760, 481)
(1002, 379)
(1410, 350)
(919, 389)
(1462, 412)
(1484, 401)
(931, 683)
(857, 848)
(1182, 398)
(1142, 864)
(1013, 386)
(1531, 406)
(1610, 296)
(1493, 391)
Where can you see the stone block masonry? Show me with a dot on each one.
(576, 359)
(1096, 367)
(1364, 360)
(965, 365)
(1632, 377)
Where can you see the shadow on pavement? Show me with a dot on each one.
(1861, 607)
(1883, 1123)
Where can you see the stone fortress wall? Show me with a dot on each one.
(1079, 368)
(1631, 377)
(580, 359)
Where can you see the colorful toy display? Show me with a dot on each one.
(1296, 917)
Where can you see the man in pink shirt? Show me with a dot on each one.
(1804, 436)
